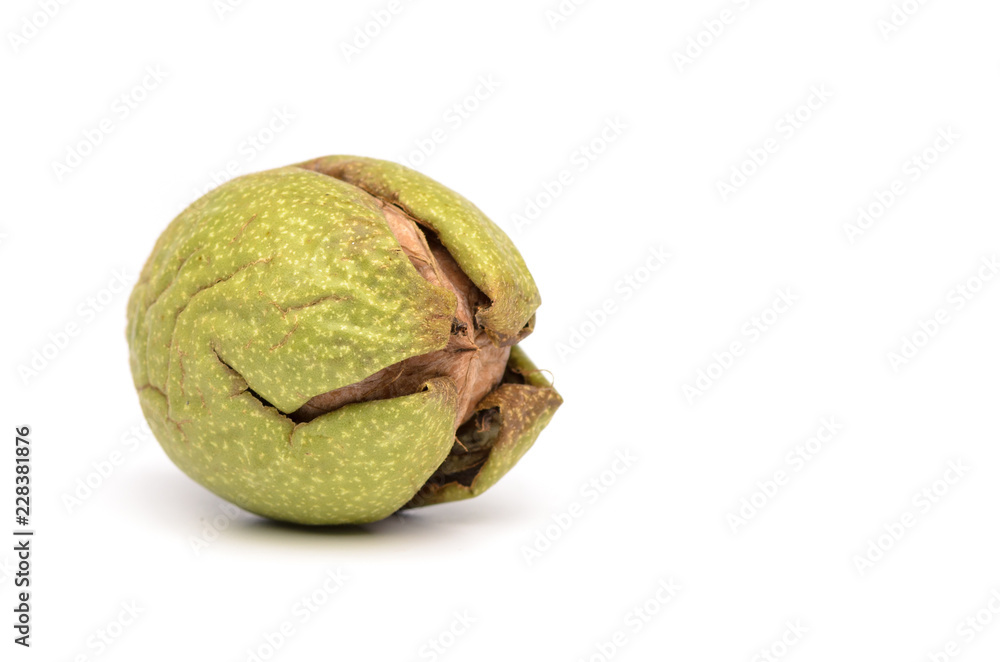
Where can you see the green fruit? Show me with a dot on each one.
(333, 341)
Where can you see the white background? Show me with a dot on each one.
(547, 567)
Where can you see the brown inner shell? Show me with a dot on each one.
(470, 359)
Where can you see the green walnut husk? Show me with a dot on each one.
(333, 341)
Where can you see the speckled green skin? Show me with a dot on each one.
(286, 284)
(485, 253)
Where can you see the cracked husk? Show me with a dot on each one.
(333, 341)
